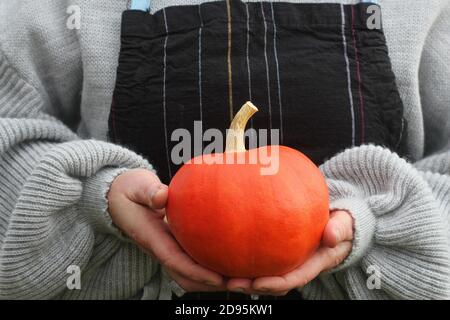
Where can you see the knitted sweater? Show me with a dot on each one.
(56, 86)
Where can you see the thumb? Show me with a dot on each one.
(338, 229)
(145, 188)
(158, 197)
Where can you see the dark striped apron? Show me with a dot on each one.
(316, 71)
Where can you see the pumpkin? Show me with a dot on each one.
(234, 220)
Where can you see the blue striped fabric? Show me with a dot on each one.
(145, 5)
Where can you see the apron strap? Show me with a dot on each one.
(143, 5)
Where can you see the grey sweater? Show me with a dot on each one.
(55, 168)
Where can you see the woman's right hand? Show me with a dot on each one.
(137, 201)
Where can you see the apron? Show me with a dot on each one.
(318, 74)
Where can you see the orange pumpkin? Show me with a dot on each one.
(233, 220)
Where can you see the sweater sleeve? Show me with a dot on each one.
(401, 211)
(401, 243)
(53, 206)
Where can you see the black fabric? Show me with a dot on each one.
(300, 63)
(316, 107)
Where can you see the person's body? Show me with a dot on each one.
(67, 197)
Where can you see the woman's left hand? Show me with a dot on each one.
(336, 246)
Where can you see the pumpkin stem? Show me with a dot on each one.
(235, 137)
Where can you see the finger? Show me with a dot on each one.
(157, 239)
(153, 235)
(192, 286)
(323, 259)
(158, 197)
(173, 258)
(339, 228)
(335, 256)
(240, 285)
(145, 188)
(131, 217)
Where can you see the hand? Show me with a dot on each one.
(336, 246)
(137, 199)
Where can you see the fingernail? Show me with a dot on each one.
(239, 290)
(337, 234)
(155, 191)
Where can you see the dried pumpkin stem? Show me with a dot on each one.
(235, 137)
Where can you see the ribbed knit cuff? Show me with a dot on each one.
(364, 228)
(94, 199)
